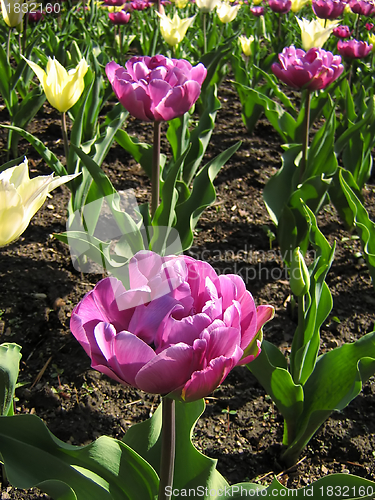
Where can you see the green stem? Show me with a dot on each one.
(155, 178)
(168, 447)
(8, 44)
(357, 27)
(25, 23)
(204, 33)
(65, 136)
(305, 139)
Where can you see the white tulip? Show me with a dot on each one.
(21, 197)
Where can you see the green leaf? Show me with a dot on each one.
(202, 195)
(141, 152)
(106, 469)
(125, 223)
(192, 468)
(364, 226)
(270, 368)
(336, 380)
(47, 155)
(10, 355)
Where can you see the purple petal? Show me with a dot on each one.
(205, 381)
(167, 371)
(130, 355)
(178, 101)
(185, 330)
(221, 341)
(110, 70)
(104, 334)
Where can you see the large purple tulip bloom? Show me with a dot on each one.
(362, 7)
(353, 49)
(312, 70)
(156, 88)
(179, 329)
(280, 6)
(119, 18)
(328, 9)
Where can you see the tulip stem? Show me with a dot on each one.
(155, 179)
(168, 447)
(8, 44)
(305, 139)
(204, 33)
(65, 136)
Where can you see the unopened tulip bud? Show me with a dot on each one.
(299, 274)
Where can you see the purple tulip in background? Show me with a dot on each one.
(119, 18)
(312, 70)
(178, 330)
(362, 7)
(156, 88)
(280, 6)
(369, 26)
(342, 31)
(34, 17)
(114, 3)
(353, 49)
(257, 10)
(328, 9)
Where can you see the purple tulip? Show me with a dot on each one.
(362, 7)
(257, 10)
(328, 9)
(34, 17)
(178, 330)
(114, 3)
(342, 31)
(312, 70)
(353, 49)
(156, 88)
(280, 6)
(119, 18)
(369, 26)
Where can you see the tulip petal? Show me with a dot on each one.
(167, 371)
(12, 215)
(178, 101)
(110, 70)
(104, 334)
(130, 354)
(205, 381)
(222, 341)
(185, 330)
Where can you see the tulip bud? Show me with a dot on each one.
(299, 274)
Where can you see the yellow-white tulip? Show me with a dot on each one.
(246, 44)
(206, 6)
(62, 88)
(14, 10)
(21, 197)
(314, 33)
(297, 5)
(227, 12)
(257, 2)
(181, 4)
(371, 40)
(173, 30)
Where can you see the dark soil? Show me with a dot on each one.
(39, 288)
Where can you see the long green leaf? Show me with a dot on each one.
(47, 155)
(336, 380)
(106, 469)
(362, 222)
